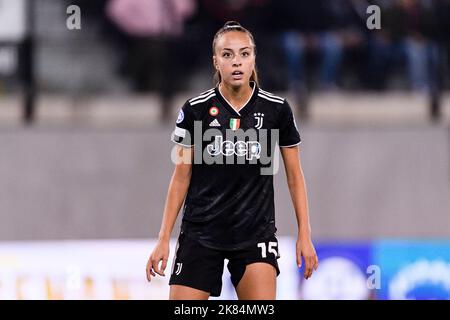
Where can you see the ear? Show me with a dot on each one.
(215, 63)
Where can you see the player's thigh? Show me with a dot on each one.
(258, 282)
(195, 270)
(180, 292)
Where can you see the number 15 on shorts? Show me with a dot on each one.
(272, 248)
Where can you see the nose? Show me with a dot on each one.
(237, 61)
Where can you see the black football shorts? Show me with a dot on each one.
(200, 267)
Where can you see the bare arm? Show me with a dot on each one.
(297, 189)
(178, 188)
(176, 194)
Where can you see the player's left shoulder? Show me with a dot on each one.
(270, 97)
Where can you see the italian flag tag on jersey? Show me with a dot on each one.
(234, 123)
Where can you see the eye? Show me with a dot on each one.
(226, 54)
(245, 53)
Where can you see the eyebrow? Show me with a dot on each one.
(239, 49)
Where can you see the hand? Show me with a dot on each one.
(306, 249)
(160, 252)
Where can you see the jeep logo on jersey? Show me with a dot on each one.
(213, 146)
(250, 149)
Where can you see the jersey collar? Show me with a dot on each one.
(247, 106)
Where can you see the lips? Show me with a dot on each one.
(237, 75)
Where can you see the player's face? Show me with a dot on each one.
(234, 58)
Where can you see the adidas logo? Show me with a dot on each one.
(214, 123)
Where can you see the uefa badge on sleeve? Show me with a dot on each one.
(180, 116)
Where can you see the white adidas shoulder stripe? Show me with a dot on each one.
(266, 92)
(202, 95)
(271, 95)
(273, 99)
(204, 99)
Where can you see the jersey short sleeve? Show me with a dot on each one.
(183, 133)
(289, 132)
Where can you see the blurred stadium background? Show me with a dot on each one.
(86, 117)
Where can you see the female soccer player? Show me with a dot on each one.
(228, 212)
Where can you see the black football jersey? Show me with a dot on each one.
(230, 201)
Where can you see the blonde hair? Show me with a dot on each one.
(227, 27)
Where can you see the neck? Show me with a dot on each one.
(237, 95)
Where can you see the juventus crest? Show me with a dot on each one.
(179, 267)
(259, 120)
